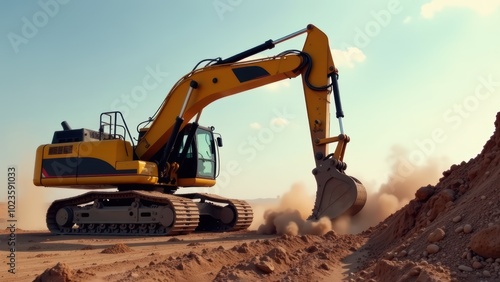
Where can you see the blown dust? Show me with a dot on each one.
(404, 180)
(289, 217)
(31, 202)
(419, 227)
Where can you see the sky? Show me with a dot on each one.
(419, 81)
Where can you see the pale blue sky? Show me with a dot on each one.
(408, 72)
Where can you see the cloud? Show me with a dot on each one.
(255, 125)
(279, 121)
(348, 57)
(482, 7)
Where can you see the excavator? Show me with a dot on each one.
(172, 151)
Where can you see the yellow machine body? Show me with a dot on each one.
(95, 164)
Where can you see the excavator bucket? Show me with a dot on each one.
(338, 194)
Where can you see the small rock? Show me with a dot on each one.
(457, 218)
(432, 248)
(467, 228)
(265, 266)
(322, 255)
(436, 235)
(324, 266)
(415, 271)
(486, 242)
(464, 268)
(483, 197)
(312, 249)
(486, 273)
(424, 193)
(459, 229)
(477, 265)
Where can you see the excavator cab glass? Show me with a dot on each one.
(198, 160)
(206, 153)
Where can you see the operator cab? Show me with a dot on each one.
(197, 154)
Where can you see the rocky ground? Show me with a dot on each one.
(448, 232)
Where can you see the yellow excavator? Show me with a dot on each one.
(173, 151)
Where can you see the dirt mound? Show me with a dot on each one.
(286, 258)
(59, 273)
(437, 226)
(117, 249)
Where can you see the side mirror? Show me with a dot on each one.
(219, 141)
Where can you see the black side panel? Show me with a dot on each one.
(97, 167)
(249, 73)
(71, 167)
(63, 167)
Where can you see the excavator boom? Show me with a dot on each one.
(337, 193)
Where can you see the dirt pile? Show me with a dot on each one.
(453, 225)
(117, 249)
(286, 258)
(59, 273)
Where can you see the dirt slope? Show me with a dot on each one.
(452, 215)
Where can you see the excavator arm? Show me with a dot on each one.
(337, 193)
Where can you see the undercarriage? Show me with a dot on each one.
(140, 212)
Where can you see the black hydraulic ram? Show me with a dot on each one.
(259, 48)
(336, 98)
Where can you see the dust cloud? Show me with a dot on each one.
(32, 205)
(289, 216)
(31, 202)
(404, 180)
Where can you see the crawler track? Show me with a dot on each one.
(243, 213)
(186, 217)
(92, 214)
